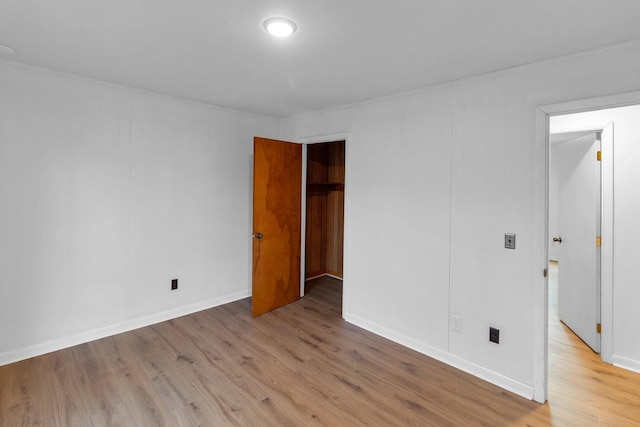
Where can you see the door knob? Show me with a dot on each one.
(258, 235)
(557, 239)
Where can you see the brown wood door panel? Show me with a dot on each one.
(335, 233)
(277, 187)
(316, 233)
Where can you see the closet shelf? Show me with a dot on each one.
(336, 186)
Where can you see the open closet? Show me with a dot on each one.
(325, 210)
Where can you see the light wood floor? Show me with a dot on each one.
(301, 365)
(583, 390)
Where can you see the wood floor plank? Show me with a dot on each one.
(301, 365)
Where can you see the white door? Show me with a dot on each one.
(579, 219)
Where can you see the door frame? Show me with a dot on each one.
(320, 139)
(541, 291)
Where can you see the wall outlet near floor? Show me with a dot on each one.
(494, 335)
(174, 284)
(456, 323)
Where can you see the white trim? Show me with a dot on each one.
(630, 44)
(493, 377)
(592, 104)
(541, 335)
(117, 86)
(540, 292)
(126, 326)
(606, 249)
(347, 225)
(319, 139)
(625, 363)
(303, 220)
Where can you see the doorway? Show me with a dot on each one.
(598, 111)
(324, 215)
(575, 227)
(283, 175)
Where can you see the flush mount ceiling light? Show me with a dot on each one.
(280, 27)
(7, 50)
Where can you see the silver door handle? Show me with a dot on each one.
(257, 235)
(557, 239)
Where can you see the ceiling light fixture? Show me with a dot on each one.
(280, 27)
(7, 50)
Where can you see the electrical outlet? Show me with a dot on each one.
(456, 323)
(510, 241)
(174, 284)
(494, 335)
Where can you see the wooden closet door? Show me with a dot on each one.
(277, 189)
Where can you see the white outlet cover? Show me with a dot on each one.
(456, 323)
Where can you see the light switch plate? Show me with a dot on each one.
(510, 241)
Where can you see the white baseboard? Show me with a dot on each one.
(128, 325)
(626, 363)
(496, 378)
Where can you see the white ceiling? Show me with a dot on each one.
(345, 51)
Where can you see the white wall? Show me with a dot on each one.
(434, 180)
(106, 195)
(626, 226)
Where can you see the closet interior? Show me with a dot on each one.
(325, 210)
